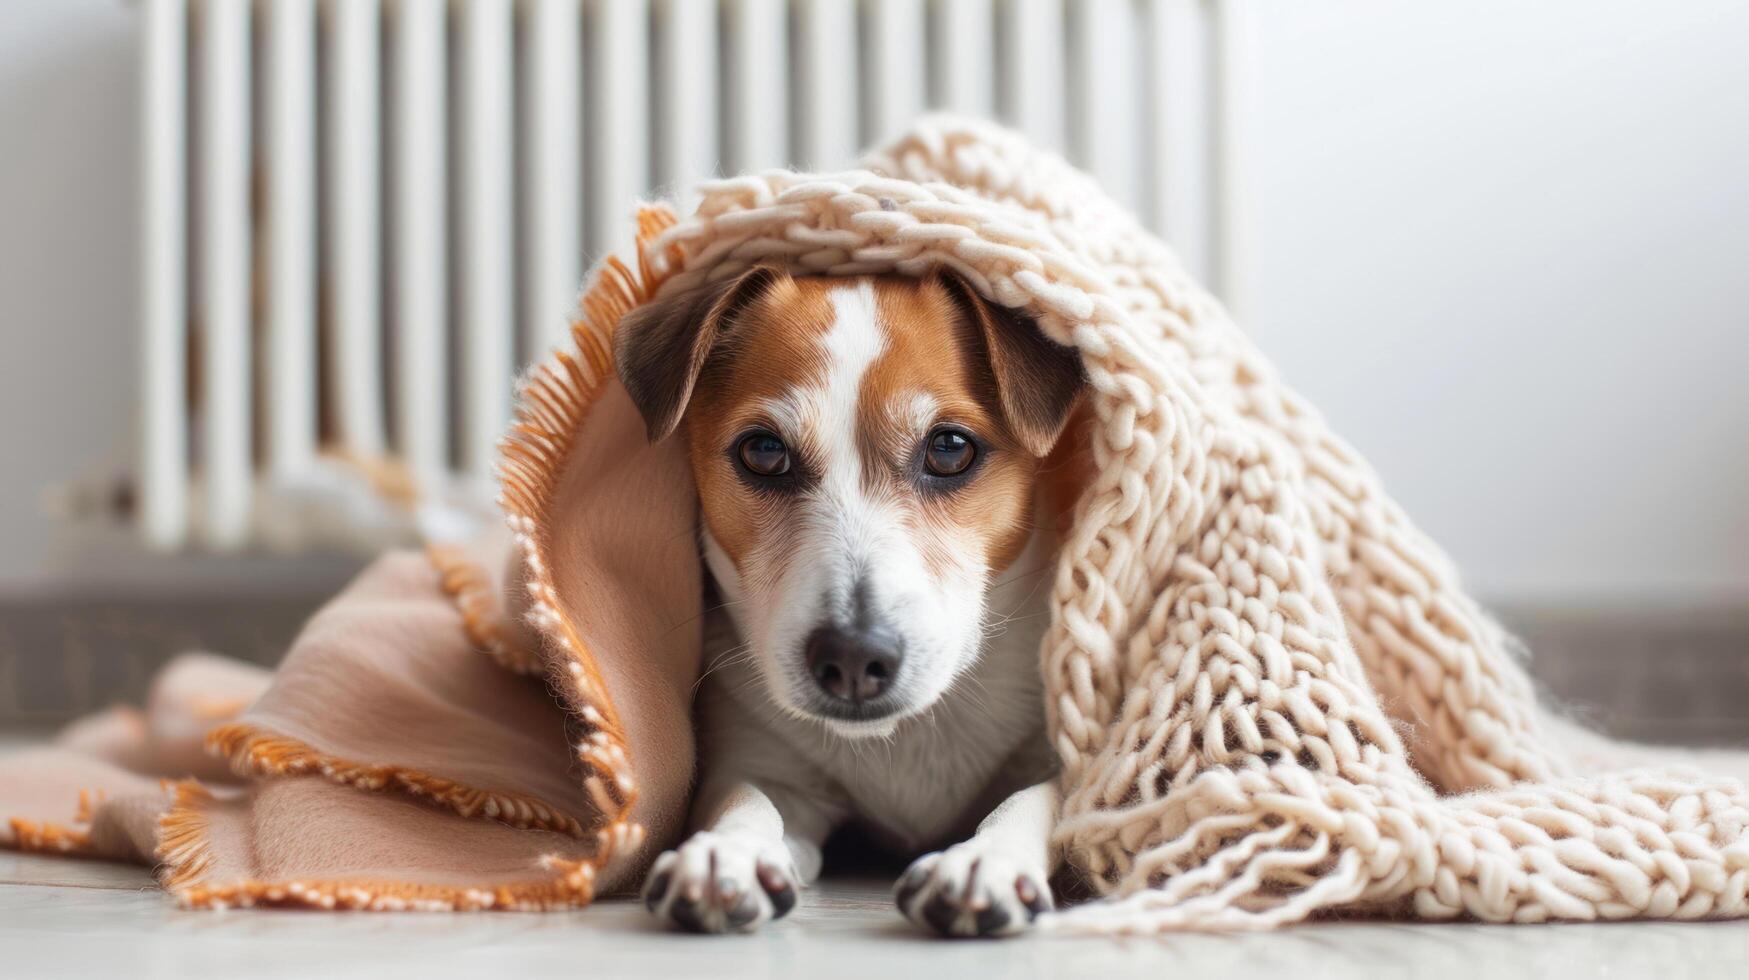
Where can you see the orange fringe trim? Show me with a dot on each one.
(28, 835)
(89, 801)
(572, 888)
(552, 408)
(470, 587)
(256, 753)
(54, 838)
(185, 850)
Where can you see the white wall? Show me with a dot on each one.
(1504, 245)
(67, 221)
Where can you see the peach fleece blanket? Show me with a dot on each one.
(1269, 692)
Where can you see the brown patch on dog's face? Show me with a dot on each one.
(772, 348)
(850, 384)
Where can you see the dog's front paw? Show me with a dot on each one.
(721, 883)
(972, 890)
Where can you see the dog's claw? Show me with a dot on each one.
(779, 886)
(721, 883)
(991, 921)
(686, 914)
(907, 887)
(744, 913)
(970, 891)
(655, 887)
(939, 913)
(1034, 896)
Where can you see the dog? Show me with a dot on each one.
(868, 453)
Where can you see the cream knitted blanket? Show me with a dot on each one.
(1270, 693)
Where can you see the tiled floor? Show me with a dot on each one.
(115, 923)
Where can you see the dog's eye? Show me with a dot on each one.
(950, 453)
(764, 454)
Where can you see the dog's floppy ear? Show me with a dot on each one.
(1037, 379)
(660, 347)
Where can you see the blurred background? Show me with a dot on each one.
(244, 246)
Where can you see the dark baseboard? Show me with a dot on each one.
(62, 658)
(1653, 675)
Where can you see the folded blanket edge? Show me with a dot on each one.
(186, 856)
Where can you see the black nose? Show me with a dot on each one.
(853, 665)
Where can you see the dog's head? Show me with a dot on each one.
(866, 451)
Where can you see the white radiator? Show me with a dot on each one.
(361, 218)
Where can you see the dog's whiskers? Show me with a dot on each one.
(1018, 577)
(738, 654)
(1000, 627)
(703, 613)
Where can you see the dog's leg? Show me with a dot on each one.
(745, 867)
(994, 884)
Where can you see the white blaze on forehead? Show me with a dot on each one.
(852, 345)
(825, 407)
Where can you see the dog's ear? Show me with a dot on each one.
(660, 347)
(1037, 379)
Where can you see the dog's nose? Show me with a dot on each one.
(853, 665)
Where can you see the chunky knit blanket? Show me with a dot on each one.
(1270, 695)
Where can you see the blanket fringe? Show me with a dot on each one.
(470, 587)
(50, 838)
(184, 845)
(45, 836)
(256, 753)
(554, 403)
(572, 887)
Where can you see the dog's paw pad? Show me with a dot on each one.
(972, 891)
(721, 883)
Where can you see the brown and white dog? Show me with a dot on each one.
(868, 454)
